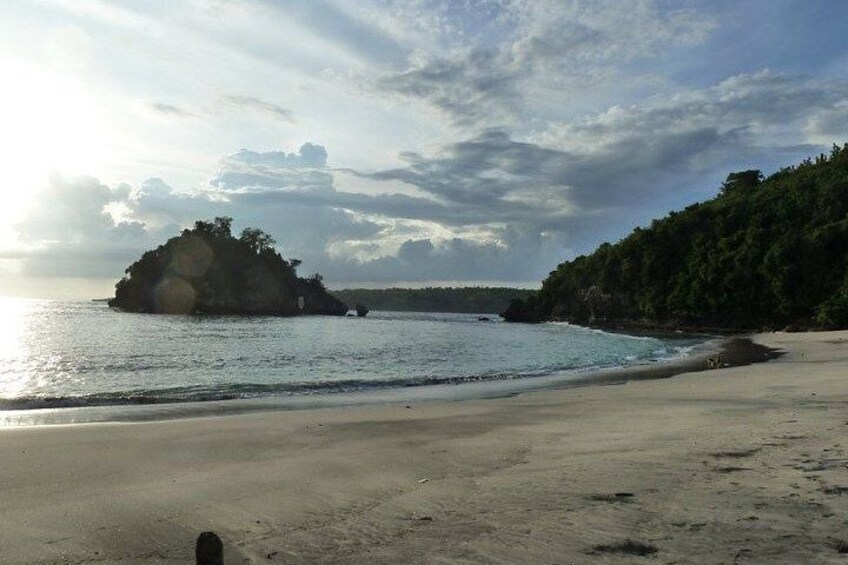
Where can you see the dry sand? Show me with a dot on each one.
(741, 465)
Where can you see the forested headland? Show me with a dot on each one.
(473, 300)
(765, 253)
(207, 270)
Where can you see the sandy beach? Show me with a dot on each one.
(739, 465)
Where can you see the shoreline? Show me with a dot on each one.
(734, 351)
(747, 464)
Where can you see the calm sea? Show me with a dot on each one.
(65, 354)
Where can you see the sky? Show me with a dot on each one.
(388, 142)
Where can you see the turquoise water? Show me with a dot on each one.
(59, 354)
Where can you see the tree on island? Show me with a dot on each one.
(741, 180)
(764, 253)
(206, 270)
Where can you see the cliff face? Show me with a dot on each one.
(764, 253)
(206, 270)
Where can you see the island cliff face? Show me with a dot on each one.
(763, 254)
(206, 270)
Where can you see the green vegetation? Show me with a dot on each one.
(473, 300)
(208, 270)
(764, 253)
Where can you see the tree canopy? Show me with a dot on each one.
(763, 253)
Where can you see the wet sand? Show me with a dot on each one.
(740, 465)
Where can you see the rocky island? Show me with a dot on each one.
(207, 270)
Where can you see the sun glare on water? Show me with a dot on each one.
(14, 318)
(48, 123)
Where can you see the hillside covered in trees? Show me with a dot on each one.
(764, 253)
(207, 270)
(472, 300)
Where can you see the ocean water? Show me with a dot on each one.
(66, 354)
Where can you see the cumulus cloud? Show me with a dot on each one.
(70, 232)
(304, 170)
(344, 233)
(348, 236)
(309, 155)
(514, 257)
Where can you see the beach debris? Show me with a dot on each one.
(209, 549)
(611, 497)
(823, 465)
(421, 518)
(715, 362)
(836, 489)
(730, 469)
(750, 518)
(740, 554)
(736, 454)
(626, 547)
(422, 481)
